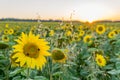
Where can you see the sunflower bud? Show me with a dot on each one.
(58, 55)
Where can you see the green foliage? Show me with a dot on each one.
(81, 57)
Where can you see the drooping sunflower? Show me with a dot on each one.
(10, 31)
(6, 31)
(111, 34)
(5, 38)
(31, 51)
(58, 56)
(100, 29)
(87, 39)
(100, 60)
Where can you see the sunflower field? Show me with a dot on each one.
(59, 51)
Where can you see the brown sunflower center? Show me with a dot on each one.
(31, 50)
(112, 34)
(5, 37)
(87, 39)
(99, 60)
(6, 31)
(100, 29)
(82, 32)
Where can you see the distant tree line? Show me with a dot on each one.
(50, 20)
(28, 20)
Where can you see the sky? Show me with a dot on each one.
(83, 10)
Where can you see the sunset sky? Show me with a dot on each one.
(83, 10)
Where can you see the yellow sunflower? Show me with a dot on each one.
(6, 31)
(51, 33)
(6, 25)
(87, 39)
(10, 31)
(68, 33)
(12, 60)
(111, 34)
(31, 51)
(100, 29)
(32, 29)
(80, 27)
(58, 56)
(100, 60)
(81, 33)
(5, 38)
(76, 37)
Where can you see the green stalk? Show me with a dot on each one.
(28, 73)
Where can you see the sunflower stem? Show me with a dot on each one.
(8, 65)
(28, 73)
(50, 70)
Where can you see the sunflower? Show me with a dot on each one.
(87, 39)
(6, 31)
(76, 37)
(51, 33)
(5, 38)
(100, 29)
(32, 29)
(81, 33)
(44, 34)
(31, 51)
(80, 27)
(68, 33)
(100, 60)
(58, 56)
(6, 25)
(111, 34)
(12, 60)
(10, 31)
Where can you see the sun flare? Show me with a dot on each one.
(91, 12)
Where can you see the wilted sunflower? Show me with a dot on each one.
(51, 33)
(31, 51)
(100, 29)
(5, 38)
(100, 60)
(111, 34)
(87, 39)
(6, 31)
(10, 31)
(58, 56)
